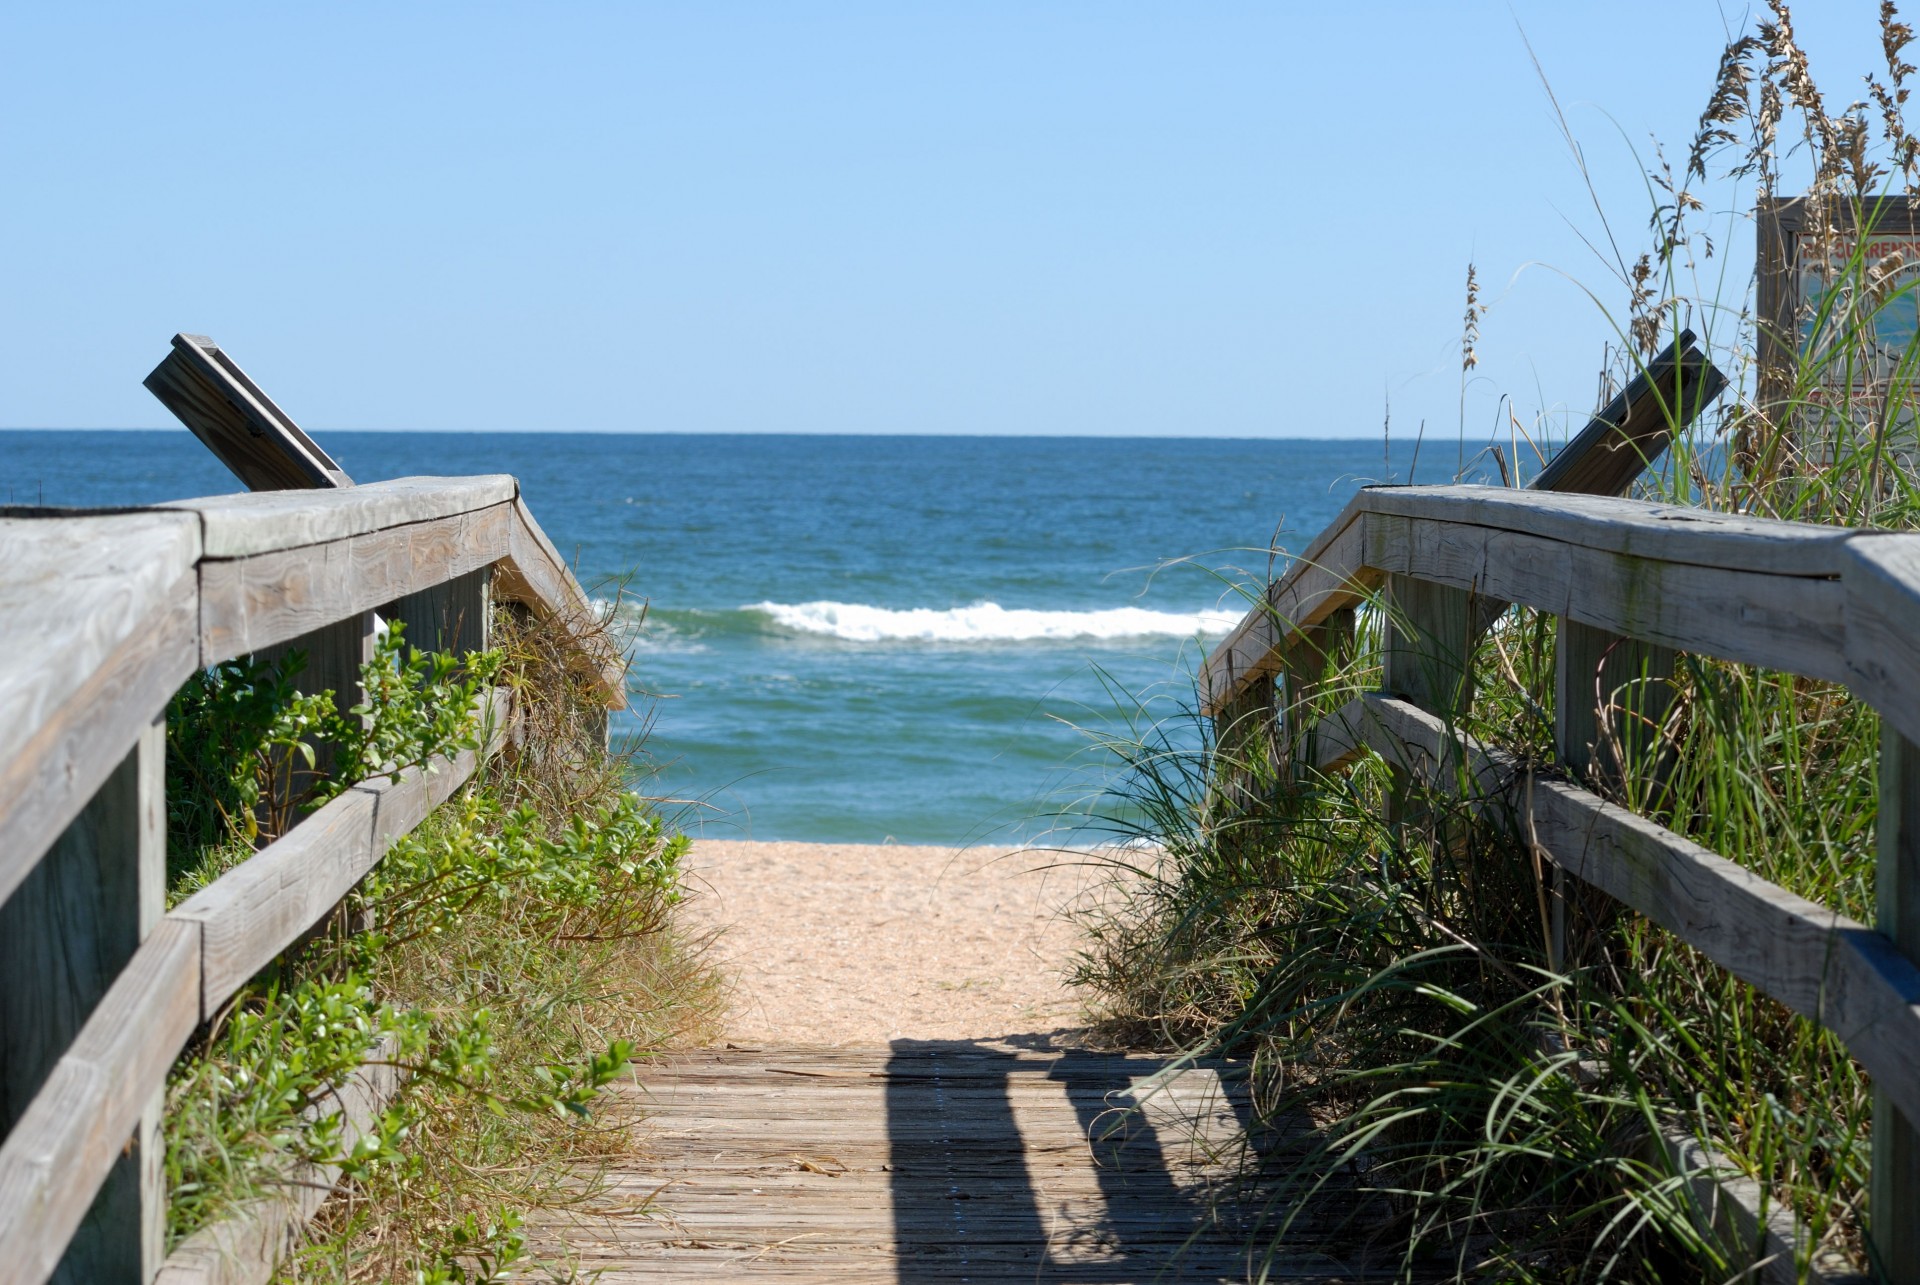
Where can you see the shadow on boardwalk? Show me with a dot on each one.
(934, 1161)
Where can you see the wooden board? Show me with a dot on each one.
(228, 412)
(1882, 579)
(1635, 543)
(1633, 429)
(1816, 961)
(1637, 528)
(927, 1161)
(65, 935)
(1788, 622)
(96, 624)
(238, 526)
(256, 910)
(63, 1148)
(253, 602)
(1330, 576)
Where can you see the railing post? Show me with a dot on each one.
(65, 934)
(335, 654)
(1893, 1209)
(1610, 695)
(1244, 737)
(1427, 660)
(452, 617)
(1305, 664)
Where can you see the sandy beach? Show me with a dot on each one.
(858, 944)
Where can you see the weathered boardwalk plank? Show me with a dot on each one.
(927, 1161)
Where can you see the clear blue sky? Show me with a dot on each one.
(1215, 219)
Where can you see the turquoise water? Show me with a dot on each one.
(854, 638)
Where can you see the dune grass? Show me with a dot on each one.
(1488, 1106)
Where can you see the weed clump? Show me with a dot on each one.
(1488, 1072)
(509, 959)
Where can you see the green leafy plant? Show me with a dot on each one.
(487, 959)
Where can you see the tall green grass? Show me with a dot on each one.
(1485, 1105)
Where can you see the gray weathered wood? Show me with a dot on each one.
(256, 910)
(938, 1162)
(96, 626)
(239, 423)
(1575, 534)
(238, 526)
(65, 934)
(1427, 659)
(455, 617)
(1893, 1214)
(1727, 1207)
(1610, 695)
(1631, 431)
(76, 1129)
(251, 603)
(1882, 581)
(1330, 576)
(1637, 528)
(331, 660)
(1792, 623)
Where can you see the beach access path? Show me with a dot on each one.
(905, 1093)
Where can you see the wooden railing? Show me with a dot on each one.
(1632, 583)
(103, 615)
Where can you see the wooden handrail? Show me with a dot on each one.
(103, 614)
(201, 954)
(1822, 602)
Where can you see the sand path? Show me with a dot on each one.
(858, 944)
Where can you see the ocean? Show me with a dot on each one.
(856, 638)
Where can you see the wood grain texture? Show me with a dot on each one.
(260, 907)
(65, 934)
(209, 393)
(1882, 579)
(931, 1161)
(1610, 693)
(1791, 623)
(251, 603)
(455, 617)
(1893, 1209)
(1632, 430)
(254, 911)
(60, 1153)
(95, 624)
(239, 526)
(1634, 545)
(1636, 528)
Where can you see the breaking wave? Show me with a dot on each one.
(986, 622)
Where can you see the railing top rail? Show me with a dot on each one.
(103, 614)
(1755, 590)
(264, 521)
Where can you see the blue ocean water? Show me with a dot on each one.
(854, 638)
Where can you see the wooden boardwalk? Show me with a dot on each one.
(927, 1161)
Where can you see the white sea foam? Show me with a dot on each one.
(987, 622)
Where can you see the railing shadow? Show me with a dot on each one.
(1005, 1165)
